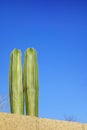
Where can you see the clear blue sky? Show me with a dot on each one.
(58, 31)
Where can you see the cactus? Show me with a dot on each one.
(15, 83)
(31, 85)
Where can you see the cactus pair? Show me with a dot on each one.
(23, 85)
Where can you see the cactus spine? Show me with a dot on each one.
(15, 83)
(31, 85)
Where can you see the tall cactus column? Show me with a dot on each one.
(31, 85)
(15, 83)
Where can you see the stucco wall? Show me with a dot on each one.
(10, 121)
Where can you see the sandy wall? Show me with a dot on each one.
(10, 121)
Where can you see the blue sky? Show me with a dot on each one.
(58, 31)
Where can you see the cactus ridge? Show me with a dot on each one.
(15, 83)
(31, 82)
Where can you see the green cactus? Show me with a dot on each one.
(31, 85)
(15, 83)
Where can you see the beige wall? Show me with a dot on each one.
(10, 121)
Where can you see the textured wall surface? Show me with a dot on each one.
(10, 121)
